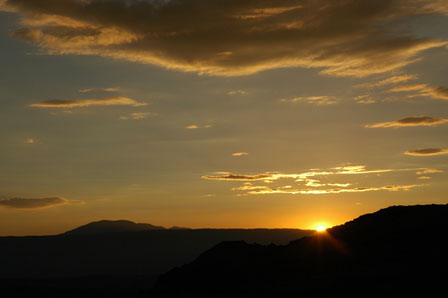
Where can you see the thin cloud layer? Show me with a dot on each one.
(429, 171)
(427, 152)
(314, 181)
(136, 116)
(389, 81)
(39, 203)
(410, 121)
(437, 92)
(80, 103)
(232, 37)
(238, 177)
(262, 190)
(88, 90)
(317, 100)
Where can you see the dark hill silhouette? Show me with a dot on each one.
(90, 250)
(111, 226)
(391, 253)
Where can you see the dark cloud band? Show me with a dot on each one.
(411, 121)
(427, 152)
(231, 37)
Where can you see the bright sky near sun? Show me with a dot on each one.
(207, 113)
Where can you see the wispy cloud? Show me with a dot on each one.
(88, 90)
(427, 152)
(194, 126)
(364, 99)
(304, 176)
(410, 121)
(136, 116)
(429, 171)
(318, 100)
(311, 182)
(238, 177)
(437, 92)
(38, 203)
(408, 88)
(240, 154)
(342, 38)
(80, 103)
(388, 81)
(308, 191)
(236, 92)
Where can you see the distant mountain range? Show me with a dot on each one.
(120, 248)
(116, 226)
(112, 226)
(395, 252)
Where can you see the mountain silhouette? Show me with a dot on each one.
(394, 252)
(112, 226)
(119, 248)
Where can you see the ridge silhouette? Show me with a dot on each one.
(112, 226)
(120, 248)
(396, 251)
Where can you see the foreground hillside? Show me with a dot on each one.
(393, 252)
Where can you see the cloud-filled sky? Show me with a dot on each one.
(213, 113)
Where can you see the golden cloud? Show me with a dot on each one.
(234, 37)
(38, 203)
(78, 103)
(389, 81)
(311, 182)
(411, 121)
(256, 190)
(437, 92)
(427, 152)
(429, 171)
(240, 154)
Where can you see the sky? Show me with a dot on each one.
(219, 114)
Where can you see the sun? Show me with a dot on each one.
(320, 229)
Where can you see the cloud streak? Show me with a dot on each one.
(88, 90)
(410, 122)
(239, 154)
(314, 181)
(437, 92)
(136, 116)
(282, 190)
(427, 152)
(81, 103)
(389, 81)
(38, 203)
(232, 37)
(317, 100)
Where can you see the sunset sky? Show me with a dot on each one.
(219, 113)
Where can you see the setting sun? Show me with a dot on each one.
(320, 229)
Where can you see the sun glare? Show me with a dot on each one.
(320, 229)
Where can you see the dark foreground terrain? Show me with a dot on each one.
(395, 252)
(111, 258)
